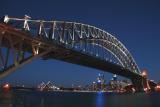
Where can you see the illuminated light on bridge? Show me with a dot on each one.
(145, 89)
(157, 88)
(53, 39)
(144, 73)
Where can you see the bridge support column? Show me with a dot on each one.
(143, 84)
(17, 50)
(137, 83)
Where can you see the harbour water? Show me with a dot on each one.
(23, 98)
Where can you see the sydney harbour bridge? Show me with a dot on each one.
(23, 40)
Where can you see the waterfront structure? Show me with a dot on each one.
(65, 41)
(47, 87)
(115, 84)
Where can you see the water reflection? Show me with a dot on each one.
(100, 99)
(42, 102)
(70, 99)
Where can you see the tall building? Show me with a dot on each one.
(114, 82)
(114, 77)
(100, 82)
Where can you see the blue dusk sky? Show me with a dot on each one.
(136, 23)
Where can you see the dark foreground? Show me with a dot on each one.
(23, 98)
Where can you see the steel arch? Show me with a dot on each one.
(68, 33)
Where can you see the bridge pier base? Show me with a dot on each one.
(137, 84)
(143, 85)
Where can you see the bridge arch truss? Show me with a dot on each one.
(77, 36)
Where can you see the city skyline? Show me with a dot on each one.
(134, 23)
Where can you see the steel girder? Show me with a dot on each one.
(72, 33)
(17, 50)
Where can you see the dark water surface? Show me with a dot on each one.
(23, 98)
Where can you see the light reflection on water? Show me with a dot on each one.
(72, 99)
(42, 102)
(100, 99)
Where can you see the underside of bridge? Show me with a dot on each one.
(22, 47)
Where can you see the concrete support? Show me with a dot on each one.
(143, 84)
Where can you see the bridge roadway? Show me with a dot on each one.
(60, 52)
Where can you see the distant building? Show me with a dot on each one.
(47, 87)
(116, 84)
(114, 77)
(99, 84)
(113, 85)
